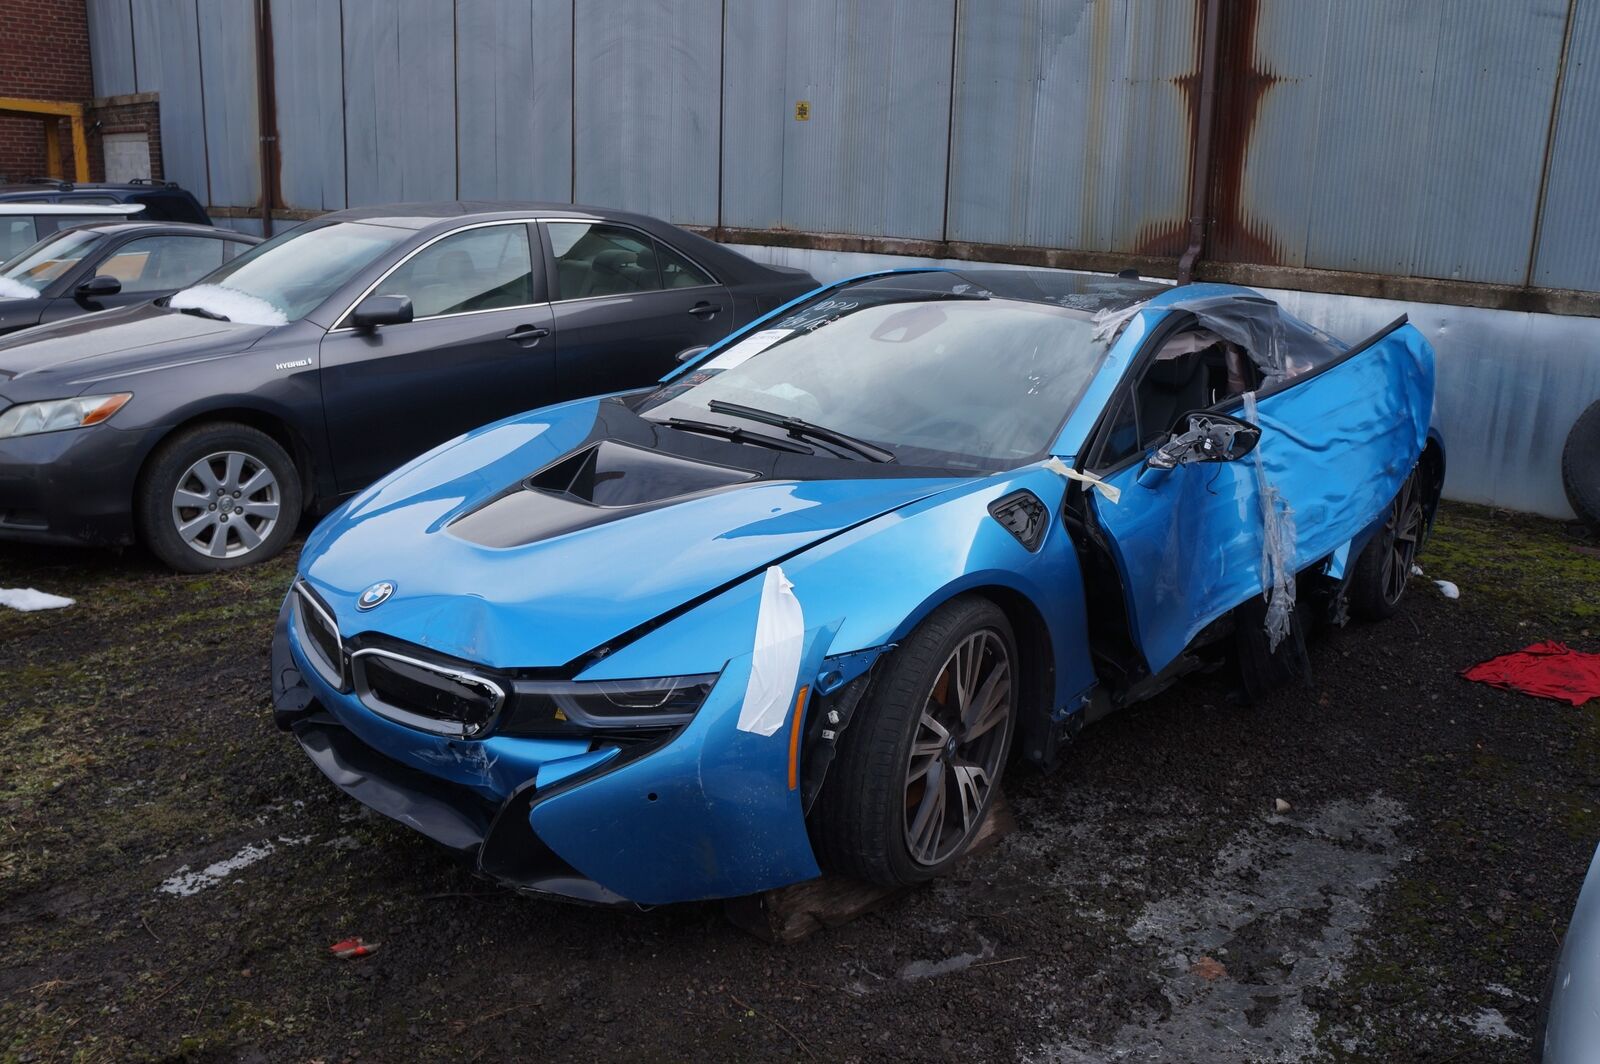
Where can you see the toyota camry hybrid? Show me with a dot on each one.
(205, 423)
(796, 608)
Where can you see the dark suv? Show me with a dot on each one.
(164, 201)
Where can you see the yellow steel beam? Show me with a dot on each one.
(50, 112)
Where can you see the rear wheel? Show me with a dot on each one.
(1379, 582)
(218, 497)
(919, 767)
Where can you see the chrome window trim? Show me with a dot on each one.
(690, 259)
(416, 720)
(339, 325)
(313, 652)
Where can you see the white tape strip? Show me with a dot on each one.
(1112, 493)
(775, 666)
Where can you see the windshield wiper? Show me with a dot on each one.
(803, 429)
(735, 433)
(202, 312)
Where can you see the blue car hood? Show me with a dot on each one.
(549, 602)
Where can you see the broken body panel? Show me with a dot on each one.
(668, 582)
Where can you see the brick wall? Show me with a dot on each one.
(44, 55)
(140, 113)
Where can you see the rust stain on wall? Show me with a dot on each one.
(1242, 84)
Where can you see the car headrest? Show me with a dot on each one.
(614, 260)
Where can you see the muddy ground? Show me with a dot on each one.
(173, 870)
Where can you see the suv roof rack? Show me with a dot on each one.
(60, 185)
(154, 182)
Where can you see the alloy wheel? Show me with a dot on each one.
(958, 747)
(1403, 530)
(226, 504)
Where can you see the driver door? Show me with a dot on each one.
(1336, 443)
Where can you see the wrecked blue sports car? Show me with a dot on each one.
(797, 608)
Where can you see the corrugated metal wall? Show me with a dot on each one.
(1447, 139)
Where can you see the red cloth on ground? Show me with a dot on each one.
(1544, 670)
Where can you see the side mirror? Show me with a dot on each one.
(374, 311)
(98, 287)
(1206, 437)
(690, 352)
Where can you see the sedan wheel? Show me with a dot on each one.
(920, 764)
(226, 504)
(218, 496)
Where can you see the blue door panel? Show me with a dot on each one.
(1336, 445)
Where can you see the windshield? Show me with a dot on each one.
(923, 364)
(25, 276)
(286, 278)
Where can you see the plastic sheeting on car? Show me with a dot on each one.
(1281, 345)
(1277, 543)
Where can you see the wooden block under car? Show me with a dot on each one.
(792, 914)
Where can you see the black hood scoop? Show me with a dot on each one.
(601, 482)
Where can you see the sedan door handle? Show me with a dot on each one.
(705, 311)
(527, 335)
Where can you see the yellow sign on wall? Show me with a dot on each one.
(802, 110)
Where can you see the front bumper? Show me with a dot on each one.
(706, 812)
(73, 486)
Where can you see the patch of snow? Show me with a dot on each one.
(10, 289)
(27, 599)
(1416, 570)
(1490, 1024)
(230, 303)
(960, 962)
(1448, 590)
(185, 884)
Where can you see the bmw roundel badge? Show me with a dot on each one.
(375, 596)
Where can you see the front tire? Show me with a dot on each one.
(919, 767)
(218, 496)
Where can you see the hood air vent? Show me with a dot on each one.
(600, 483)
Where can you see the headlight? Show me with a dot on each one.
(571, 709)
(26, 419)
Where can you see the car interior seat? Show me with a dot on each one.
(618, 272)
(1171, 388)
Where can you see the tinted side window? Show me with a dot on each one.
(602, 260)
(677, 271)
(159, 263)
(480, 269)
(17, 233)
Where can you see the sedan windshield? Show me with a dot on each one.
(25, 276)
(286, 278)
(923, 365)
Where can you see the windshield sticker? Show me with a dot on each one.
(747, 348)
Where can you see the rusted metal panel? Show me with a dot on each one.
(111, 47)
(231, 112)
(1401, 139)
(646, 113)
(1073, 123)
(399, 100)
(837, 116)
(1568, 255)
(514, 98)
(309, 61)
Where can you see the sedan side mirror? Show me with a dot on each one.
(690, 353)
(374, 311)
(1206, 437)
(98, 287)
